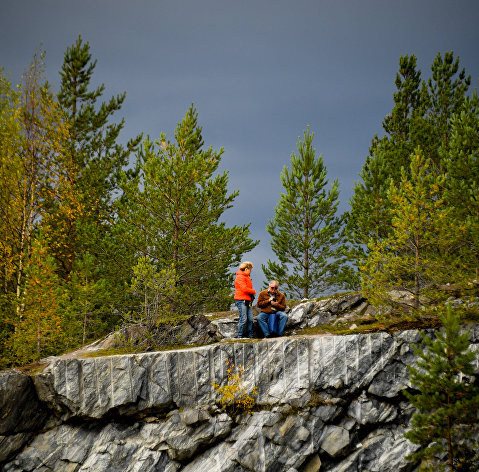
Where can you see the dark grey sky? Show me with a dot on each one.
(258, 72)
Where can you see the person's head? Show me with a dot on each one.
(273, 286)
(246, 267)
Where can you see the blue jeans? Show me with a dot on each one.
(263, 322)
(245, 318)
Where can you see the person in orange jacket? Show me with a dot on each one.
(244, 296)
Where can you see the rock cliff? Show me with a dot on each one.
(324, 403)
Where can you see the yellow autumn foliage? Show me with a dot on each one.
(234, 396)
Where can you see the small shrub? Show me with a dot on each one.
(233, 396)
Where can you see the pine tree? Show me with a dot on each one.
(404, 125)
(461, 163)
(422, 112)
(425, 248)
(422, 116)
(447, 402)
(88, 295)
(305, 232)
(447, 89)
(170, 213)
(97, 156)
(407, 100)
(370, 215)
(96, 159)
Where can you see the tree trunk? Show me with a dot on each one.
(84, 326)
(416, 275)
(306, 273)
(306, 241)
(39, 344)
(449, 445)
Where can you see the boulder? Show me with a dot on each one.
(21, 414)
(384, 450)
(299, 314)
(226, 328)
(19, 406)
(334, 440)
(312, 313)
(313, 464)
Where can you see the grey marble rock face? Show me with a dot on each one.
(285, 370)
(324, 403)
(21, 413)
(334, 440)
(19, 406)
(366, 410)
(384, 450)
(299, 314)
(311, 313)
(205, 329)
(227, 328)
(12, 443)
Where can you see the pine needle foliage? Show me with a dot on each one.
(462, 167)
(95, 156)
(305, 231)
(437, 116)
(447, 402)
(170, 213)
(426, 246)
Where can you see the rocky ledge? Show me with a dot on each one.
(324, 403)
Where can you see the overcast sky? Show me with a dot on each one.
(258, 72)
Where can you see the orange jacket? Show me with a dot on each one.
(243, 286)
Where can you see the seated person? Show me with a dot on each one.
(272, 301)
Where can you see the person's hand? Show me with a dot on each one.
(271, 299)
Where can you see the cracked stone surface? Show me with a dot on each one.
(324, 403)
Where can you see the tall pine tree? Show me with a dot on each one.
(461, 163)
(370, 214)
(423, 116)
(170, 213)
(96, 158)
(305, 231)
(93, 142)
(447, 89)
